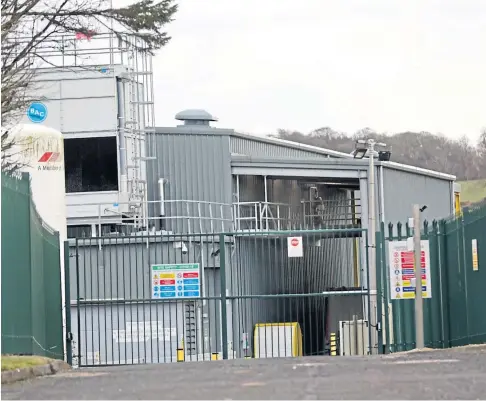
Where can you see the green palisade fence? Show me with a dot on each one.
(455, 314)
(31, 276)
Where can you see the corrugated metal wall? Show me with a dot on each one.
(197, 167)
(249, 147)
(402, 189)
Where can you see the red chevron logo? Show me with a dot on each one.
(49, 157)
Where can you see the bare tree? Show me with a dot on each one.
(29, 28)
(482, 143)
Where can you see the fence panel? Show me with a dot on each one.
(289, 300)
(146, 299)
(31, 276)
(454, 315)
(467, 278)
(395, 285)
(135, 300)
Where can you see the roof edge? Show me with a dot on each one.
(418, 170)
(292, 144)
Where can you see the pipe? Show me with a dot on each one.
(121, 135)
(161, 183)
(382, 195)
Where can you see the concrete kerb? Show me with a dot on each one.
(12, 376)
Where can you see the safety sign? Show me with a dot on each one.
(175, 281)
(402, 270)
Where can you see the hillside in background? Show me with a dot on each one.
(473, 191)
(461, 158)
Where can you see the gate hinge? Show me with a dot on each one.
(69, 337)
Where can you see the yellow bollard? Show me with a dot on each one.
(180, 354)
(180, 351)
(214, 356)
(333, 344)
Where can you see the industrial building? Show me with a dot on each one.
(212, 180)
(140, 196)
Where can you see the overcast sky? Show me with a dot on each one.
(391, 65)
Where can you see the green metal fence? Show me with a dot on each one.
(455, 276)
(31, 276)
(177, 297)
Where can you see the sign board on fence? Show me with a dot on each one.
(402, 273)
(294, 246)
(475, 261)
(139, 332)
(175, 281)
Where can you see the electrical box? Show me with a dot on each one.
(354, 338)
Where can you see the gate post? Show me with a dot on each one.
(67, 301)
(224, 313)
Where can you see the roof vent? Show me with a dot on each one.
(195, 117)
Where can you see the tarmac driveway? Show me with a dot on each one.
(446, 374)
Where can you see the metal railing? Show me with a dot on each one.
(182, 216)
(257, 216)
(193, 217)
(331, 212)
(262, 216)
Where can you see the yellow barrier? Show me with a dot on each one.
(180, 355)
(214, 356)
(264, 330)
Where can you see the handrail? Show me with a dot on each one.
(192, 217)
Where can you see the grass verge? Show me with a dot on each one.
(11, 362)
(473, 191)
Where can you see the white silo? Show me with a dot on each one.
(40, 152)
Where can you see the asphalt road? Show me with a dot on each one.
(451, 374)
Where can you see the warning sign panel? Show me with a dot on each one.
(402, 270)
(295, 248)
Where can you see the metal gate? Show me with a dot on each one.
(173, 298)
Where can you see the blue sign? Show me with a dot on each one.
(191, 281)
(191, 288)
(412, 289)
(167, 294)
(167, 288)
(191, 293)
(37, 112)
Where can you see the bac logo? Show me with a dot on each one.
(49, 157)
(37, 112)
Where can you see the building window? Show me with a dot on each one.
(91, 164)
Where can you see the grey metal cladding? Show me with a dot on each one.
(403, 189)
(255, 148)
(197, 167)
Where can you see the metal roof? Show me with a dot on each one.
(352, 163)
(190, 130)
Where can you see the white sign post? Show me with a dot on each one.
(294, 246)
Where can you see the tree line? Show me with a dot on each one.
(460, 157)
